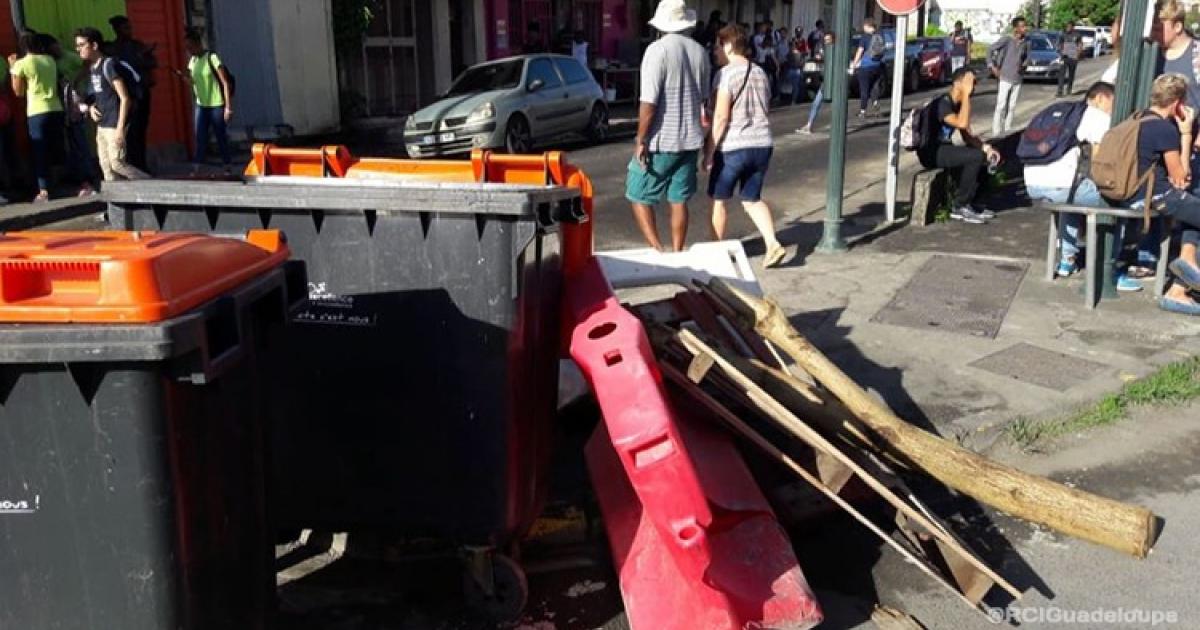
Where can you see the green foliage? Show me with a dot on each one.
(1174, 384)
(1102, 12)
(350, 21)
(933, 30)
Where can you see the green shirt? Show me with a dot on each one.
(205, 84)
(41, 83)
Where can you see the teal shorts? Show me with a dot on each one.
(670, 174)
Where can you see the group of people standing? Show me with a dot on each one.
(781, 55)
(105, 85)
(691, 118)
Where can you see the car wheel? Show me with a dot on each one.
(517, 138)
(597, 129)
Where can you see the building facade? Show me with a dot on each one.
(280, 50)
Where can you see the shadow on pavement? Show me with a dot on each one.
(837, 553)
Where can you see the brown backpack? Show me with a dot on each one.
(1115, 163)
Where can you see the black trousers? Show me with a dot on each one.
(135, 151)
(1066, 76)
(867, 78)
(968, 161)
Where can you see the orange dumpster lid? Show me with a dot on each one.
(110, 277)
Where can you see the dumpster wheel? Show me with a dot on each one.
(495, 585)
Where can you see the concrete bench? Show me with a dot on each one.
(928, 188)
(1092, 262)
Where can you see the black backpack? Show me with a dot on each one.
(1051, 133)
(133, 80)
(228, 74)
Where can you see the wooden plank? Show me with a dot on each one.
(741, 428)
(793, 425)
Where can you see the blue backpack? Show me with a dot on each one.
(1051, 133)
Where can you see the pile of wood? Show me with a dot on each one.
(739, 357)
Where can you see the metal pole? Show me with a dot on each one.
(838, 61)
(1132, 26)
(898, 76)
(17, 8)
(1134, 55)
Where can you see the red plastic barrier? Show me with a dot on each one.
(696, 545)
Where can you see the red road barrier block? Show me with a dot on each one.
(695, 543)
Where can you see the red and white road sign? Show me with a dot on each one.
(900, 7)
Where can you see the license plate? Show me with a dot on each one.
(1037, 68)
(446, 137)
(811, 67)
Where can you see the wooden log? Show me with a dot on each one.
(1128, 528)
(785, 419)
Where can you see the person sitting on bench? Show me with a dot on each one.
(1053, 182)
(952, 112)
(1164, 144)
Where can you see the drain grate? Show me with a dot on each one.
(956, 294)
(1038, 366)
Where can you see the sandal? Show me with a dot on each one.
(774, 256)
(1138, 272)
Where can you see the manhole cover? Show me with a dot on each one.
(956, 294)
(1038, 366)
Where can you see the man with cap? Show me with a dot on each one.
(674, 79)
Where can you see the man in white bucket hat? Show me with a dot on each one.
(674, 87)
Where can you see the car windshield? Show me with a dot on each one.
(492, 76)
(1040, 43)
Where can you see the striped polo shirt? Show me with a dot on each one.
(675, 73)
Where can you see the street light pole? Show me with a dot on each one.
(838, 61)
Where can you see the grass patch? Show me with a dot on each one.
(1174, 384)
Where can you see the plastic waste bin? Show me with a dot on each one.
(132, 467)
(423, 370)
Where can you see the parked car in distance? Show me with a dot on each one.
(1044, 60)
(1088, 36)
(510, 104)
(933, 59)
(1105, 34)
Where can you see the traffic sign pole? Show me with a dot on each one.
(899, 73)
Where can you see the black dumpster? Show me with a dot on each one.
(131, 432)
(423, 373)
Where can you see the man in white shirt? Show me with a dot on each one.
(1052, 182)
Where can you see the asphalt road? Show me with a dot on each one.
(796, 183)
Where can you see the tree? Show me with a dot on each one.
(1101, 12)
(1030, 11)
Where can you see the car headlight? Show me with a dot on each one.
(410, 124)
(487, 111)
(1056, 62)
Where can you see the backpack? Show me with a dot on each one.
(228, 74)
(877, 47)
(1051, 133)
(133, 80)
(1114, 167)
(915, 132)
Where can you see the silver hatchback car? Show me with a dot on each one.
(510, 104)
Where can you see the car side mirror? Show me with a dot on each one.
(536, 85)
